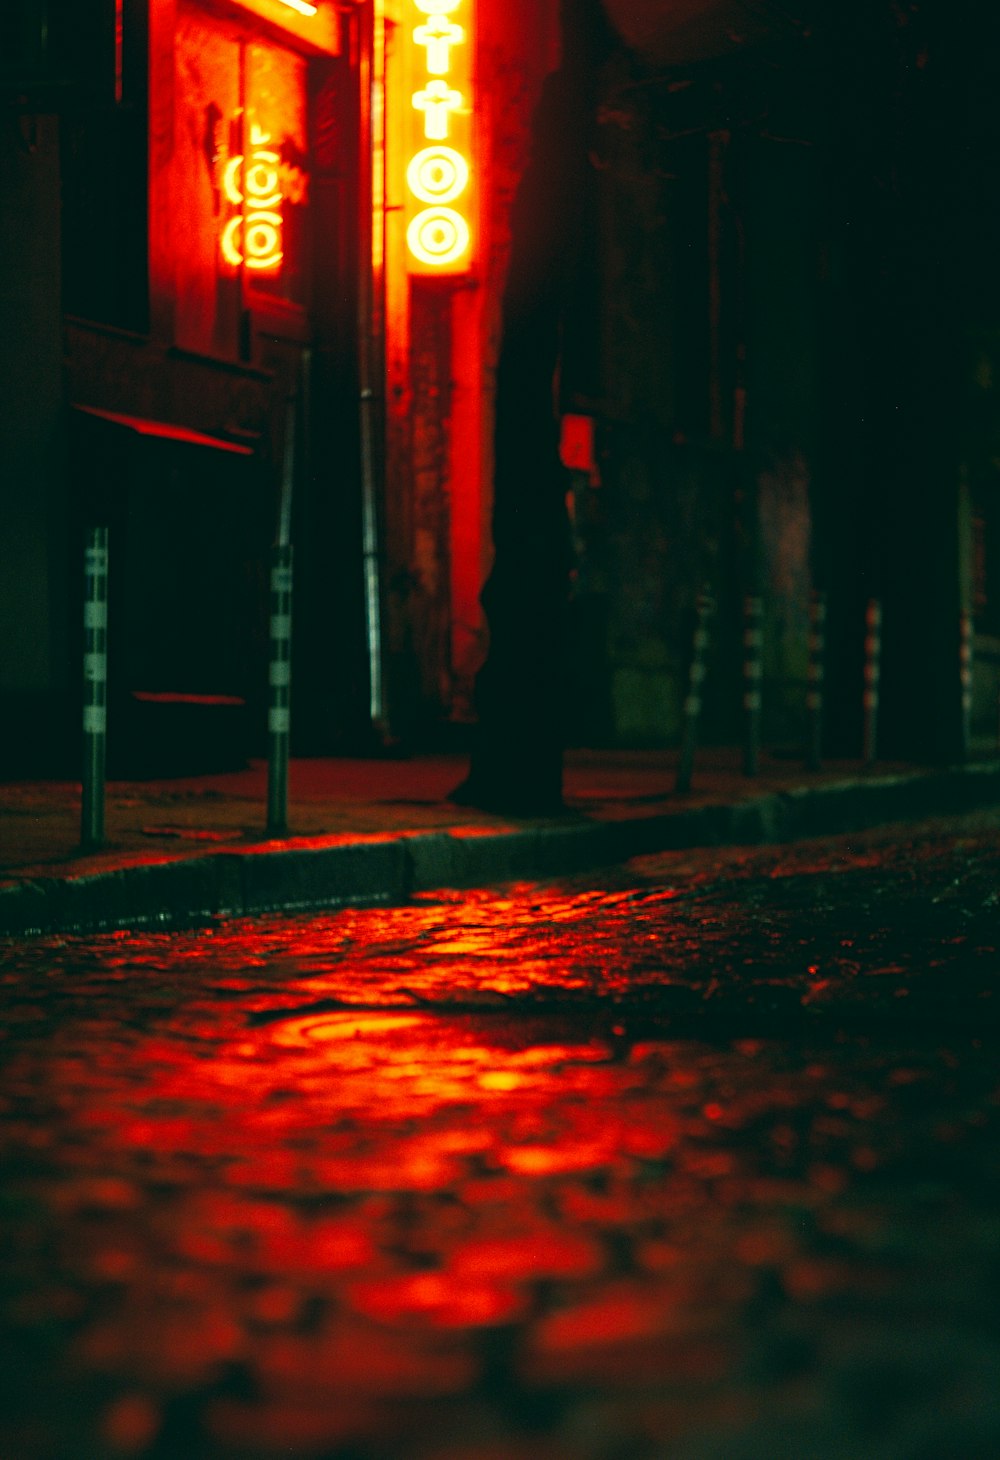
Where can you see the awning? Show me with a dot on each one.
(166, 431)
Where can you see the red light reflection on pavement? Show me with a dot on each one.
(317, 1186)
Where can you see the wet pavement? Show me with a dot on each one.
(695, 1159)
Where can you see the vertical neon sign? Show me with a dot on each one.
(252, 184)
(438, 178)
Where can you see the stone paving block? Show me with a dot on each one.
(289, 877)
(494, 856)
(30, 906)
(135, 896)
(432, 860)
(573, 848)
(762, 820)
(849, 805)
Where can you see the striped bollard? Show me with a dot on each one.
(965, 674)
(95, 686)
(814, 672)
(753, 678)
(692, 705)
(279, 680)
(873, 673)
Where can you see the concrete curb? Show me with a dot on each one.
(384, 867)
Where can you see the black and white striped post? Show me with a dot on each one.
(815, 670)
(965, 678)
(95, 686)
(279, 679)
(753, 680)
(704, 609)
(873, 674)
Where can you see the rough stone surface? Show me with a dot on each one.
(696, 1158)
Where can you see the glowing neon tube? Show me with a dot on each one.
(440, 186)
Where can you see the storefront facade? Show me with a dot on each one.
(273, 235)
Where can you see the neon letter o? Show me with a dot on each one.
(261, 180)
(438, 236)
(437, 175)
(261, 240)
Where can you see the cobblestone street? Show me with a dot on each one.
(692, 1160)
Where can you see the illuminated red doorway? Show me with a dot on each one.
(255, 258)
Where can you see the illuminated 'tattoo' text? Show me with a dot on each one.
(438, 235)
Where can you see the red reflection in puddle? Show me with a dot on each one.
(448, 1300)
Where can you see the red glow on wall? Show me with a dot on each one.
(576, 446)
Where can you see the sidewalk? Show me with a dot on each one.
(181, 851)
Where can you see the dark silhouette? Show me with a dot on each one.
(521, 690)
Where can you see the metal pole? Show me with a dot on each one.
(965, 673)
(705, 607)
(753, 678)
(370, 317)
(95, 686)
(815, 672)
(279, 690)
(873, 672)
(279, 669)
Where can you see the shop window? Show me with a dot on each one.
(239, 181)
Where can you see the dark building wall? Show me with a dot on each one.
(34, 663)
(799, 308)
(912, 175)
(708, 399)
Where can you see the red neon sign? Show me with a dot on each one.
(263, 181)
(438, 174)
(252, 236)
